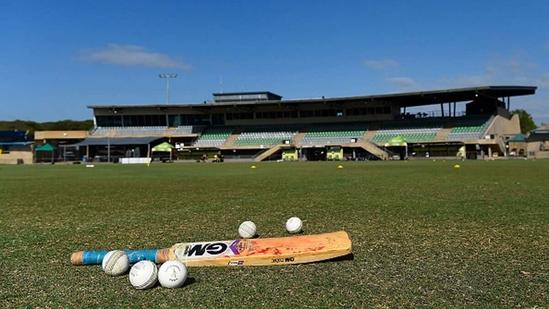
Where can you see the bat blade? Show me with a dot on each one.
(263, 251)
(240, 252)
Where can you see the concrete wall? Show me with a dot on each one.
(12, 156)
(504, 127)
(538, 150)
(517, 147)
(70, 134)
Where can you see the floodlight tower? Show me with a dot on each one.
(167, 77)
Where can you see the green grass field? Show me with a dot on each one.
(423, 233)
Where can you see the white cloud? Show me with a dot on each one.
(381, 64)
(517, 69)
(543, 81)
(513, 70)
(503, 71)
(131, 55)
(403, 82)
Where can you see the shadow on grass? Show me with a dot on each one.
(348, 257)
(188, 281)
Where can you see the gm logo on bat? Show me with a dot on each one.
(284, 260)
(214, 248)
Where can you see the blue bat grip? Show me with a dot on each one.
(96, 257)
(139, 255)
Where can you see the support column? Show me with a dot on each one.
(108, 150)
(442, 109)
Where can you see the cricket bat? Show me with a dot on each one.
(240, 252)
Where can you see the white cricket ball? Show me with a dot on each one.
(294, 225)
(172, 274)
(143, 275)
(115, 263)
(247, 229)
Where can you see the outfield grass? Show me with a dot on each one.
(423, 233)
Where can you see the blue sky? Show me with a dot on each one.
(56, 57)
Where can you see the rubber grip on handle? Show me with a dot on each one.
(96, 257)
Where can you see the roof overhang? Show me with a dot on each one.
(112, 141)
(15, 143)
(417, 98)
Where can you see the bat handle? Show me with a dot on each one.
(96, 257)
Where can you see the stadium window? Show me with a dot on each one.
(174, 120)
(100, 120)
(116, 121)
(108, 121)
(218, 119)
(386, 109)
(236, 116)
(306, 114)
(379, 110)
(139, 120)
(158, 120)
(146, 120)
(199, 119)
(136, 120)
(155, 120)
(128, 120)
(371, 110)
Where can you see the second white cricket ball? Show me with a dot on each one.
(143, 275)
(294, 225)
(247, 229)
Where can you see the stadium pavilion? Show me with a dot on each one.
(15, 147)
(469, 122)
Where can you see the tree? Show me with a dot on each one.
(527, 124)
(31, 126)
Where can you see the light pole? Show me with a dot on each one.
(167, 76)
